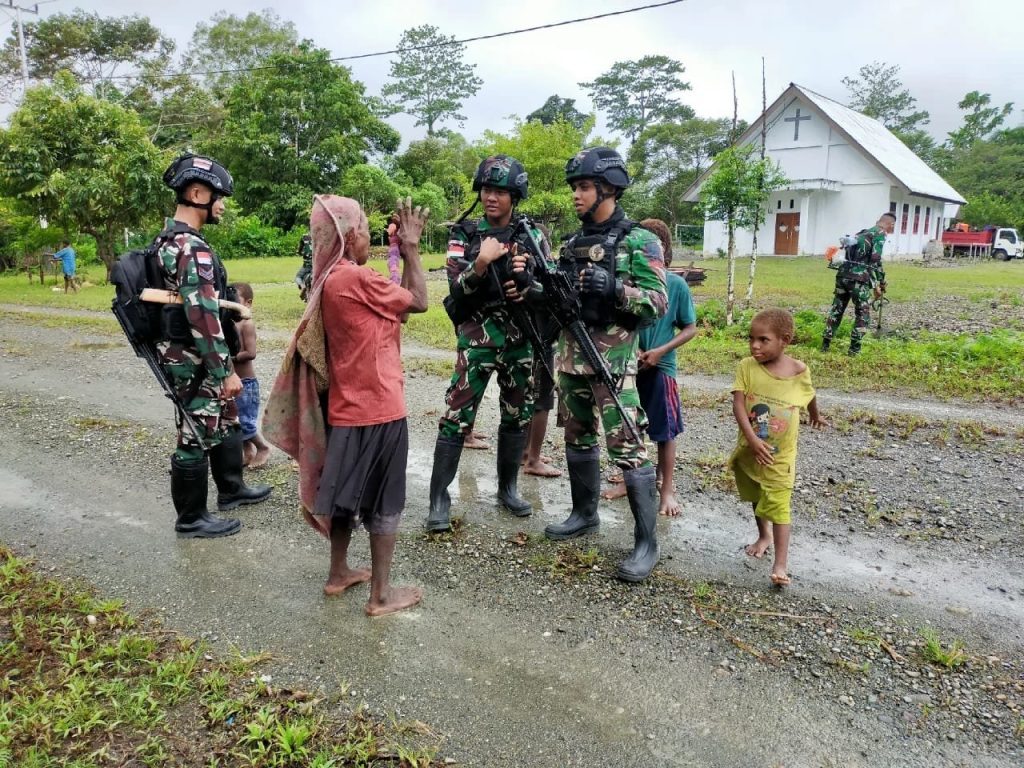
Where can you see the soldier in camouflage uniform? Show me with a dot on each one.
(196, 354)
(859, 278)
(489, 341)
(620, 270)
(304, 277)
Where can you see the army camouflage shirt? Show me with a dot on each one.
(870, 241)
(490, 327)
(190, 267)
(640, 264)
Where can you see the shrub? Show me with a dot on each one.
(239, 237)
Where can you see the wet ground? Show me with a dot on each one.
(524, 653)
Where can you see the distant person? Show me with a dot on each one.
(859, 278)
(338, 404)
(656, 378)
(770, 390)
(66, 256)
(256, 450)
(304, 277)
(393, 254)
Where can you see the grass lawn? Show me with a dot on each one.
(970, 366)
(84, 683)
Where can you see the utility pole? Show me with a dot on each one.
(21, 39)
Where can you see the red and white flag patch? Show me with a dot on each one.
(456, 250)
(202, 163)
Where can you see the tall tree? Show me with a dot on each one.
(293, 129)
(445, 160)
(665, 160)
(636, 94)
(230, 42)
(736, 192)
(557, 108)
(980, 122)
(90, 46)
(878, 92)
(83, 163)
(430, 78)
(176, 110)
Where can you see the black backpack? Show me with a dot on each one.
(142, 321)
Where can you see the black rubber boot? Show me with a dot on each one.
(189, 481)
(226, 468)
(510, 456)
(642, 492)
(825, 344)
(585, 485)
(447, 452)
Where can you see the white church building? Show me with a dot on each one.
(844, 170)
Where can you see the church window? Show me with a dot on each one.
(906, 217)
(892, 207)
(791, 204)
(917, 218)
(778, 205)
(927, 219)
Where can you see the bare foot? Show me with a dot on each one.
(248, 452)
(337, 584)
(395, 599)
(617, 491)
(614, 476)
(541, 468)
(780, 578)
(669, 506)
(543, 460)
(260, 458)
(474, 442)
(758, 548)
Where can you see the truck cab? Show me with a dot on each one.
(1006, 244)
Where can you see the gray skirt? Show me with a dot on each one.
(363, 479)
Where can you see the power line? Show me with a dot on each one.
(354, 57)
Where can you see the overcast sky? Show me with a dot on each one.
(943, 48)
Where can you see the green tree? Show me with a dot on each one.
(372, 187)
(557, 108)
(994, 165)
(230, 42)
(735, 192)
(88, 45)
(293, 129)
(980, 121)
(543, 150)
(665, 160)
(430, 78)
(878, 92)
(636, 94)
(83, 163)
(176, 110)
(446, 160)
(984, 208)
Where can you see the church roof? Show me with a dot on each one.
(876, 141)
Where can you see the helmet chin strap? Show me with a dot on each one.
(208, 207)
(587, 217)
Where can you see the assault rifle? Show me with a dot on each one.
(568, 313)
(147, 351)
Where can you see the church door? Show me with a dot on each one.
(787, 233)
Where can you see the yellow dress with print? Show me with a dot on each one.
(773, 405)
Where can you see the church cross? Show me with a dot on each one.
(796, 123)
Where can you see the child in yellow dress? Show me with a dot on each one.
(770, 390)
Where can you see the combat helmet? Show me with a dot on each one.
(189, 168)
(601, 163)
(502, 172)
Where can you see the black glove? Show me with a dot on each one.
(601, 282)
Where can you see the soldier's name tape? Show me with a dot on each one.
(159, 296)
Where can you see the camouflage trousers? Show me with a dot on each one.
(860, 294)
(213, 415)
(582, 398)
(473, 369)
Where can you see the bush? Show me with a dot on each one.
(238, 237)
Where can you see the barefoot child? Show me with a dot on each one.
(256, 450)
(770, 390)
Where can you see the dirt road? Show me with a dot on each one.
(908, 516)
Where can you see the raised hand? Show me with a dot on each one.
(411, 222)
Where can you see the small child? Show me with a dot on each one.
(770, 390)
(256, 450)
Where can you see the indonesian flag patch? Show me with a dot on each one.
(456, 250)
(202, 163)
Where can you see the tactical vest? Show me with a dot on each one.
(491, 294)
(601, 252)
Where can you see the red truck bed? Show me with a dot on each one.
(967, 238)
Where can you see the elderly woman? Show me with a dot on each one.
(338, 405)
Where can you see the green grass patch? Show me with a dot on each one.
(84, 683)
(936, 652)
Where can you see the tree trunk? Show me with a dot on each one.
(757, 221)
(730, 296)
(107, 253)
